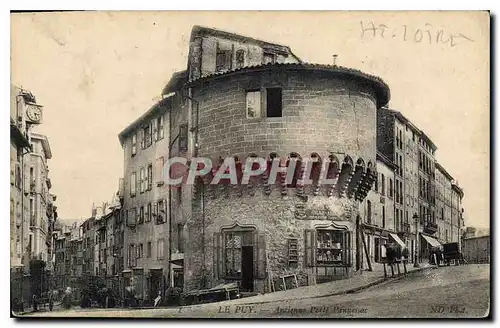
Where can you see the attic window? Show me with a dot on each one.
(240, 58)
(223, 60)
(269, 58)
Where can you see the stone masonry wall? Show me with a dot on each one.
(320, 113)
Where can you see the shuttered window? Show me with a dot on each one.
(132, 184)
(160, 171)
(310, 247)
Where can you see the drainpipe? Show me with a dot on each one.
(196, 146)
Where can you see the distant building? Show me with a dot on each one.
(477, 249)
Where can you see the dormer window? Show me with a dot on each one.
(240, 58)
(223, 60)
(269, 58)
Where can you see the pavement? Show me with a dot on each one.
(339, 287)
(317, 294)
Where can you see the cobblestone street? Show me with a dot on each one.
(461, 291)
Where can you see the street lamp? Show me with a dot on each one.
(416, 218)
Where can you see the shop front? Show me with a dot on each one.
(431, 249)
(328, 252)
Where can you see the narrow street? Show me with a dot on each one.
(447, 292)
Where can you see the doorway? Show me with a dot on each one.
(247, 268)
(377, 249)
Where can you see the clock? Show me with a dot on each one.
(34, 113)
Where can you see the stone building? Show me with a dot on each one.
(444, 183)
(32, 208)
(477, 249)
(377, 212)
(272, 105)
(397, 138)
(19, 146)
(39, 199)
(146, 143)
(242, 97)
(457, 219)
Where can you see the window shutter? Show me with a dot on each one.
(216, 252)
(346, 248)
(309, 244)
(261, 256)
(218, 255)
(159, 170)
(26, 181)
(154, 129)
(12, 173)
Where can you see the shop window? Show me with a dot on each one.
(253, 104)
(240, 58)
(328, 247)
(274, 102)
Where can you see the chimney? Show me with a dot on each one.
(335, 60)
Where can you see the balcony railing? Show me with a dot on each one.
(430, 227)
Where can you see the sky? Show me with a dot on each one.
(96, 72)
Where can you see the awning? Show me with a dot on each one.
(433, 242)
(177, 262)
(397, 240)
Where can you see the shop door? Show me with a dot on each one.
(247, 268)
(155, 287)
(377, 249)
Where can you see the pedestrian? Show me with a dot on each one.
(157, 299)
(51, 301)
(35, 303)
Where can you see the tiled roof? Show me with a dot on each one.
(383, 91)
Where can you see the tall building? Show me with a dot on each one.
(146, 143)
(39, 199)
(377, 212)
(444, 183)
(32, 207)
(423, 188)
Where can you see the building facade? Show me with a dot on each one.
(39, 199)
(477, 249)
(146, 210)
(32, 207)
(377, 212)
(426, 193)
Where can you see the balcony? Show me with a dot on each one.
(430, 227)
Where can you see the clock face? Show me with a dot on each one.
(34, 113)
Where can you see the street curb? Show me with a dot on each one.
(352, 290)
